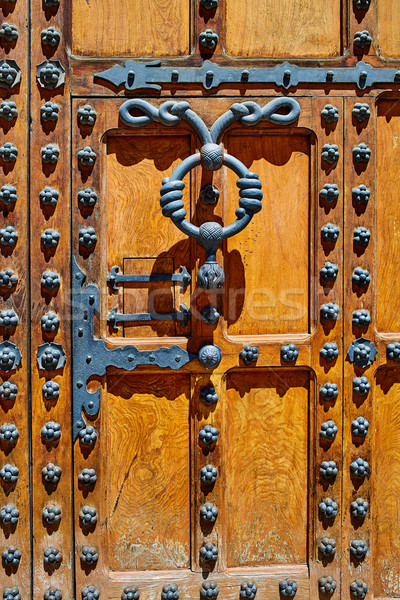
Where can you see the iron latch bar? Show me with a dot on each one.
(115, 277)
(182, 315)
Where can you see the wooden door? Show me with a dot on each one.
(200, 346)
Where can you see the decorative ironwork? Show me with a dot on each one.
(329, 271)
(361, 194)
(50, 356)
(330, 153)
(329, 351)
(208, 512)
(8, 110)
(358, 549)
(182, 316)
(11, 593)
(130, 593)
(329, 311)
(361, 318)
(210, 356)
(8, 152)
(361, 153)
(328, 508)
(361, 385)
(209, 589)
(208, 395)
(393, 351)
(9, 514)
(53, 594)
(9, 474)
(115, 277)
(359, 467)
(289, 353)
(50, 154)
(208, 474)
(51, 390)
(51, 515)
(88, 436)
(362, 352)
(328, 430)
(52, 557)
(359, 588)
(208, 39)
(328, 469)
(248, 590)
(11, 557)
(249, 354)
(359, 508)
(330, 113)
(209, 194)
(208, 435)
(209, 314)
(50, 281)
(8, 391)
(49, 322)
(362, 39)
(361, 111)
(88, 516)
(327, 585)
(8, 236)
(327, 546)
(87, 156)
(10, 73)
(209, 4)
(329, 391)
(51, 473)
(50, 37)
(362, 4)
(87, 477)
(50, 238)
(90, 556)
(49, 196)
(8, 318)
(9, 433)
(288, 588)
(87, 198)
(209, 552)
(50, 74)
(329, 193)
(170, 592)
(87, 115)
(8, 32)
(10, 357)
(51, 432)
(359, 427)
(90, 592)
(8, 194)
(87, 237)
(330, 232)
(361, 236)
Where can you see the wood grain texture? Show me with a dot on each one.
(148, 472)
(267, 265)
(139, 28)
(387, 17)
(266, 453)
(286, 29)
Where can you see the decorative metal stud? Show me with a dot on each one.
(330, 232)
(8, 152)
(87, 156)
(361, 318)
(90, 556)
(361, 153)
(10, 356)
(288, 588)
(50, 37)
(9, 514)
(289, 353)
(49, 111)
(49, 196)
(329, 271)
(50, 74)
(359, 588)
(88, 436)
(327, 585)
(9, 433)
(51, 390)
(87, 115)
(209, 589)
(50, 357)
(51, 473)
(210, 356)
(361, 277)
(209, 194)
(87, 237)
(11, 557)
(170, 592)
(329, 193)
(362, 352)
(9, 474)
(327, 546)
(361, 236)
(208, 552)
(359, 427)
(359, 468)
(248, 590)
(10, 73)
(51, 432)
(208, 474)
(8, 236)
(130, 593)
(328, 469)
(50, 322)
(53, 594)
(50, 154)
(52, 556)
(8, 391)
(90, 592)
(208, 39)
(8, 32)
(208, 435)
(50, 238)
(329, 391)
(51, 515)
(330, 153)
(51, 3)
(8, 194)
(8, 319)
(361, 4)
(50, 281)
(328, 430)
(329, 351)
(328, 508)
(87, 477)
(362, 39)
(361, 194)
(249, 354)
(8, 110)
(11, 594)
(393, 351)
(210, 315)
(361, 111)
(87, 198)
(361, 386)
(208, 512)
(88, 516)
(330, 113)
(358, 549)
(208, 395)
(329, 311)
(209, 4)
(359, 508)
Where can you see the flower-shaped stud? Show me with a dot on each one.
(328, 508)
(11, 557)
(52, 556)
(249, 354)
(327, 546)
(50, 281)
(8, 110)
(50, 322)
(358, 588)
(208, 39)
(328, 469)
(209, 4)
(330, 113)
(88, 436)
(9, 474)
(208, 435)
(51, 3)
(50, 154)
(9, 514)
(359, 427)
(51, 390)
(329, 193)
(327, 585)
(8, 194)
(8, 152)
(361, 236)
(88, 516)
(8, 75)
(49, 196)
(170, 592)
(8, 279)
(50, 37)
(8, 236)
(361, 111)
(361, 385)
(87, 198)
(358, 549)
(87, 477)
(8, 319)
(50, 75)
(289, 353)
(53, 594)
(209, 356)
(361, 153)
(208, 474)
(393, 351)
(361, 277)
(8, 391)
(87, 237)
(50, 357)
(329, 271)
(361, 318)
(361, 4)
(87, 115)
(208, 512)
(362, 352)
(359, 508)
(87, 156)
(209, 589)
(50, 238)
(11, 593)
(208, 552)
(8, 32)
(130, 593)
(10, 356)
(49, 111)
(51, 432)
(329, 391)
(329, 311)
(9, 433)
(330, 232)
(209, 194)
(362, 39)
(330, 153)
(51, 514)
(208, 395)
(361, 194)
(90, 592)
(359, 468)
(288, 588)
(329, 351)
(51, 473)
(90, 556)
(248, 590)
(328, 430)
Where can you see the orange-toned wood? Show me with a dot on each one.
(387, 14)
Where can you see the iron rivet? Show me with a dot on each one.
(130, 357)
(88, 358)
(175, 75)
(79, 384)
